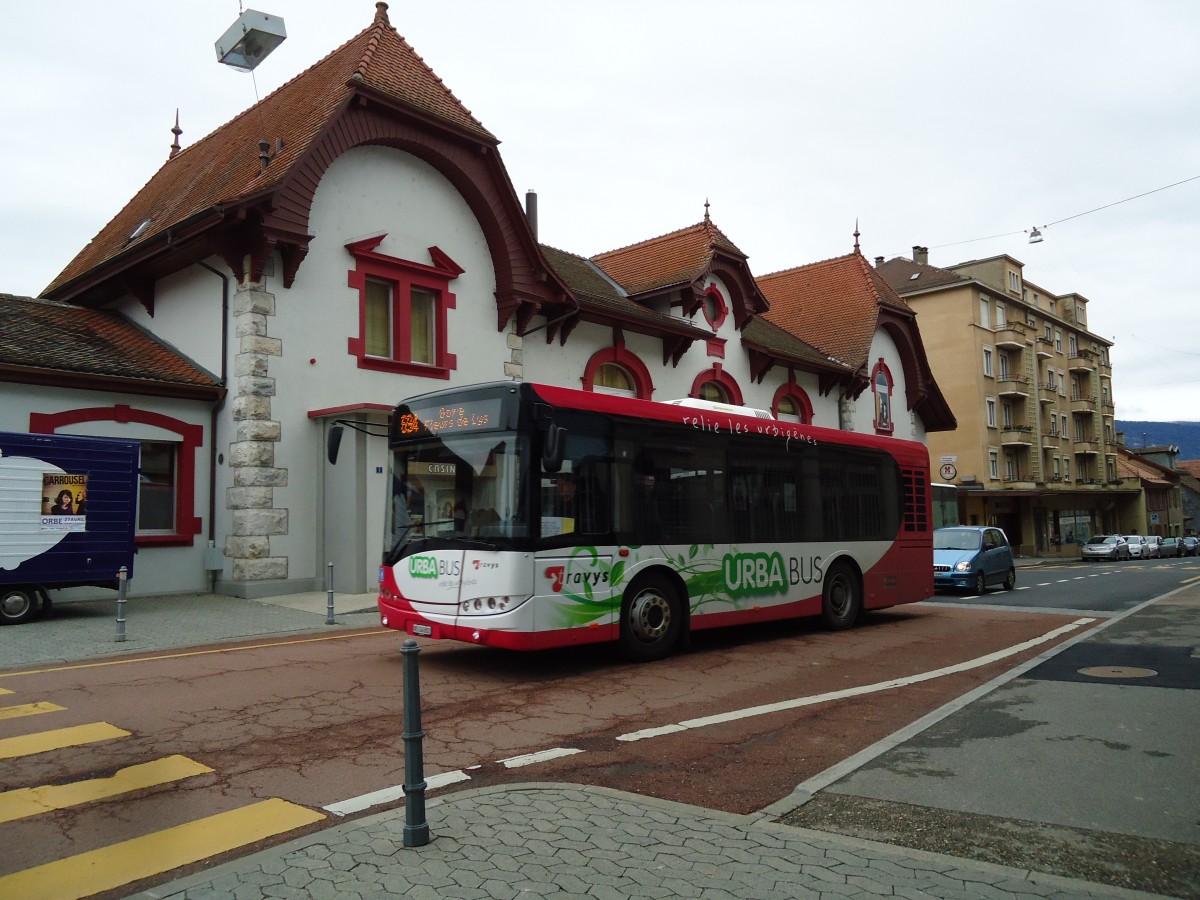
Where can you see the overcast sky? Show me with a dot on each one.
(955, 125)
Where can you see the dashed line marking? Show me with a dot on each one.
(766, 709)
(28, 709)
(25, 802)
(529, 759)
(28, 744)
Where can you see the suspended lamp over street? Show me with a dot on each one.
(250, 40)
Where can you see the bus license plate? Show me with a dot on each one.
(422, 630)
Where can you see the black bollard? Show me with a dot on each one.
(416, 828)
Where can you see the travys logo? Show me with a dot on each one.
(754, 573)
(560, 576)
(432, 567)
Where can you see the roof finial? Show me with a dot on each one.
(381, 16)
(707, 220)
(856, 248)
(177, 131)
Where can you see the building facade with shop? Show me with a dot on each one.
(1031, 388)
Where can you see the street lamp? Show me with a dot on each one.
(250, 40)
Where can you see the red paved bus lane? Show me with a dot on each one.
(735, 724)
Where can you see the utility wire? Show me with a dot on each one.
(1068, 218)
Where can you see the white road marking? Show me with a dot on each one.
(528, 759)
(766, 709)
(391, 794)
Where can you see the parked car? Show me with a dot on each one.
(972, 557)
(1190, 546)
(1153, 541)
(1137, 546)
(1170, 547)
(1105, 546)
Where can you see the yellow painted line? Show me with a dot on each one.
(24, 802)
(28, 709)
(1190, 580)
(28, 744)
(108, 868)
(125, 661)
(5, 691)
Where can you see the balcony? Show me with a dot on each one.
(1011, 336)
(1019, 482)
(1045, 348)
(1086, 446)
(1016, 435)
(1049, 392)
(1083, 403)
(1082, 361)
(1008, 385)
(1050, 435)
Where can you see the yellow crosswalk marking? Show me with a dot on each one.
(28, 744)
(23, 802)
(28, 709)
(5, 691)
(118, 864)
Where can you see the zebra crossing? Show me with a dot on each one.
(123, 862)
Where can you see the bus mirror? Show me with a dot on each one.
(333, 442)
(552, 452)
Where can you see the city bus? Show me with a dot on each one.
(528, 516)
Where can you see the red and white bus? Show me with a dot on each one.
(528, 516)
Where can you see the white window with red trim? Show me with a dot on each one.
(403, 311)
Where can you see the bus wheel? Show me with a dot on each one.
(651, 619)
(841, 598)
(17, 605)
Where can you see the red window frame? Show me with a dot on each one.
(885, 413)
(187, 523)
(721, 377)
(402, 276)
(618, 355)
(797, 394)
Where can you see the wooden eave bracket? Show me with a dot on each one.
(674, 346)
(760, 364)
(140, 288)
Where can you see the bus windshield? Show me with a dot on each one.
(458, 488)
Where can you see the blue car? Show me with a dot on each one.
(971, 558)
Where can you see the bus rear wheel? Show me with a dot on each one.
(841, 597)
(17, 605)
(651, 619)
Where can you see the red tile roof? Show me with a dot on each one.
(667, 261)
(834, 305)
(44, 336)
(224, 168)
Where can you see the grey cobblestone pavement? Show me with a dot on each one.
(553, 840)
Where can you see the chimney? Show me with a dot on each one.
(878, 261)
(531, 211)
(920, 255)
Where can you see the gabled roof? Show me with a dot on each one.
(225, 168)
(601, 299)
(668, 261)
(834, 304)
(907, 277)
(46, 342)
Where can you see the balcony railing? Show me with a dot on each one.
(1083, 403)
(1045, 347)
(1011, 385)
(1081, 361)
(1011, 336)
(1016, 434)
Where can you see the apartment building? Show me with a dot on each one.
(1035, 451)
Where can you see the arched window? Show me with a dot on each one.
(881, 387)
(716, 385)
(612, 379)
(791, 404)
(710, 390)
(617, 371)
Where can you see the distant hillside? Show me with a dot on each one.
(1184, 435)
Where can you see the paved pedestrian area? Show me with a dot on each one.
(552, 840)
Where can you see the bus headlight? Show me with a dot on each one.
(491, 604)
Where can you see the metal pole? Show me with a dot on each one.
(329, 594)
(122, 581)
(416, 828)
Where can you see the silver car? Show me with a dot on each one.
(1105, 546)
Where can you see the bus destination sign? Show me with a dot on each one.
(478, 415)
